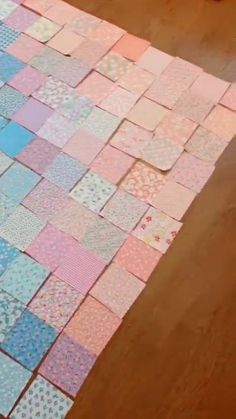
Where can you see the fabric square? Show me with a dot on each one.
(45, 200)
(42, 399)
(80, 269)
(7, 7)
(20, 19)
(93, 325)
(29, 339)
(32, 115)
(147, 114)
(131, 139)
(58, 129)
(47, 60)
(23, 278)
(10, 101)
(83, 23)
(13, 379)
(76, 107)
(17, 182)
(25, 48)
(229, 99)
(205, 145)
(101, 124)
(117, 289)
(55, 302)
(53, 92)
(42, 29)
(176, 128)
(7, 206)
(136, 80)
(83, 146)
(112, 164)
(119, 102)
(104, 239)
(144, 182)
(9, 66)
(222, 122)
(65, 41)
(65, 171)
(131, 46)
(192, 172)
(96, 87)
(192, 106)
(124, 210)
(27, 81)
(162, 153)
(157, 229)
(74, 219)
(138, 258)
(154, 60)
(40, 6)
(21, 228)
(38, 155)
(209, 87)
(67, 364)
(175, 79)
(61, 13)
(3, 122)
(5, 162)
(90, 52)
(71, 71)
(106, 33)
(7, 36)
(10, 311)
(93, 191)
(14, 138)
(113, 66)
(8, 254)
(50, 247)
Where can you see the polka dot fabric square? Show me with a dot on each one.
(42, 29)
(162, 154)
(10, 101)
(106, 34)
(175, 128)
(83, 23)
(8, 36)
(7, 206)
(113, 66)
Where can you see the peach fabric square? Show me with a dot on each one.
(147, 114)
(209, 87)
(112, 164)
(96, 87)
(136, 80)
(119, 102)
(193, 106)
(40, 6)
(144, 182)
(176, 128)
(138, 258)
(117, 289)
(174, 199)
(191, 172)
(90, 52)
(205, 145)
(93, 325)
(113, 66)
(229, 99)
(25, 48)
(65, 41)
(222, 122)
(27, 80)
(131, 47)
(106, 34)
(131, 139)
(61, 13)
(38, 155)
(162, 153)
(83, 23)
(83, 146)
(154, 60)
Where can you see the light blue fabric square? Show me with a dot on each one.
(7, 36)
(10, 311)
(3, 121)
(7, 254)
(10, 101)
(9, 66)
(7, 206)
(14, 138)
(5, 162)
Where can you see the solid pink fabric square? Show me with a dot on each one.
(65, 41)
(83, 146)
(20, 19)
(90, 52)
(209, 87)
(32, 115)
(38, 155)
(138, 258)
(131, 139)
(96, 87)
(176, 128)
(222, 122)
(229, 99)
(154, 60)
(25, 48)
(131, 47)
(28, 80)
(61, 13)
(147, 114)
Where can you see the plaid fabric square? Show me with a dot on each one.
(193, 106)
(205, 145)
(10, 311)
(136, 80)
(58, 129)
(101, 124)
(154, 60)
(9, 66)
(96, 87)
(83, 146)
(42, 29)
(27, 80)
(25, 48)
(119, 102)
(14, 138)
(222, 122)
(32, 115)
(175, 128)
(23, 278)
(113, 66)
(147, 114)
(7, 36)
(7, 206)
(162, 154)
(38, 155)
(90, 52)
(5, 162)
(6, 7)
(83, 23)
(8, 254)
(106, 34)
(20, 19)
(10, 101)
(131, 139)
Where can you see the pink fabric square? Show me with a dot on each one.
(20, 19)
(176, 128)
(32, 115)
(154, 60)
(96, 87)
(162, 154)
(58, 129)
(193, 106)
(51, 246)
(83, 146)
(90, 52)
(229, 99)
(136, 80)
(138, 258)
(38, 155)
(80, 269)
(112, 164)
(192, 172)
(27, 80)
(93, 325)
(205, 145)
(147, 114)
(65, 41)
(222, 122)
(25, 48)
(39, 6)
(45, 200)
(117, 289)
(174, 199)
(83, 23)
(131, 47)
(209, 87)
(119, 102)
(106, 34)
(61, 13)
(131, 139)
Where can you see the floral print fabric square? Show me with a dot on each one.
(8, 254)
(7, 206)
(113, 66)
(5, 162)
(10, 101)
(58, 129)
(101, 124)
(42, 29)
(131, 139)
(10, 311)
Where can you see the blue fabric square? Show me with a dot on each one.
(23, 278)
(5, 162)
(7, 206)
(3, 122)
(7, 254)
(13, 379)
(14, 138)
(10, 311)
(18, 181)
(7, 36)
(10, 101)
(9, 66)
(29, 340)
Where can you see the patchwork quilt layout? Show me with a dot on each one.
(105, 142)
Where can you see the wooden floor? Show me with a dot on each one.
(175, 355)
